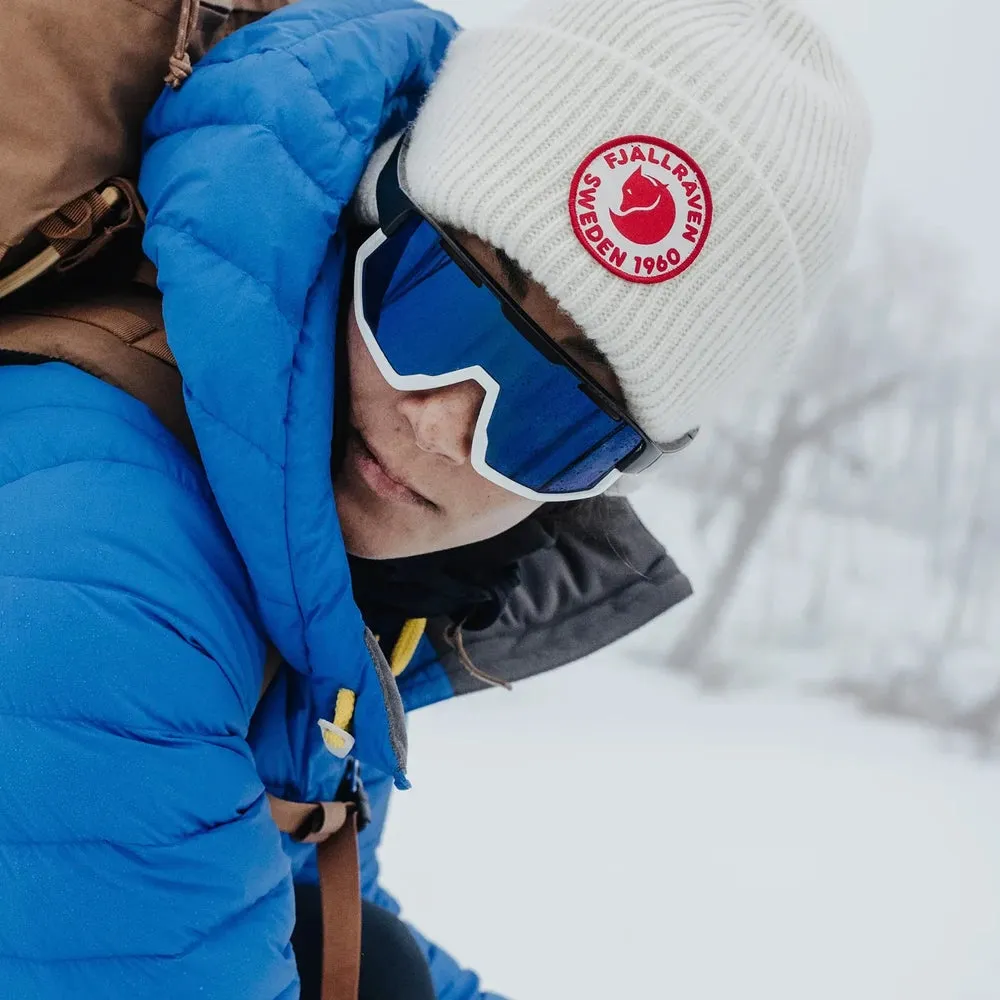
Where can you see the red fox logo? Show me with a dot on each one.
(648, 211)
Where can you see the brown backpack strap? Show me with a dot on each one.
(136, 322)
(340, 885)
(119, 339)
(333, 826)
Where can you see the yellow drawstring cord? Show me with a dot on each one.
(406, 645)
(344, 711)
(402, 655)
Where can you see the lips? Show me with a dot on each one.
(372, 470)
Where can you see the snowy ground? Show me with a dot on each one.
(607, 832)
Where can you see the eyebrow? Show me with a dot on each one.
(585, 348)
(516, 277)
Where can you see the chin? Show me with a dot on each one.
(363, 547)
(366, 541)
(367, 535)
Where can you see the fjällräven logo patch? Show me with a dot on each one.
(642, 207)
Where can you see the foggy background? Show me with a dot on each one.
(788, 787)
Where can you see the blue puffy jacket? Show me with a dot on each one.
(138, 589)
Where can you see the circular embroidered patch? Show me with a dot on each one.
(642, 207)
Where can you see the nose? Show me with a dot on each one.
(444, 420)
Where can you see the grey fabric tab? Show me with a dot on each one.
(393, 702)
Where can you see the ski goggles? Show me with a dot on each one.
(432, 316)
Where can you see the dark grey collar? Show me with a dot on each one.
(599, 582)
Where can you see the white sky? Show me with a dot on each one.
(932, 76)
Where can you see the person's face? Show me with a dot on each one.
(407, 486)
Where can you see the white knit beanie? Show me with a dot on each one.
(682, 176)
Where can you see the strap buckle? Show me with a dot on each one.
(352, 790)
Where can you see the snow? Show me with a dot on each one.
(607, 831)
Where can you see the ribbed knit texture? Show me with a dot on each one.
(750, 89)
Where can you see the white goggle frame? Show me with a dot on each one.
(474, 373)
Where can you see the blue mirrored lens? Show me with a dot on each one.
(430, 318)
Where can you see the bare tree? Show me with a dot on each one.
(883, 328)
(963, 540)
(761, 499)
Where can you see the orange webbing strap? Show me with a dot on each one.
(333, 826)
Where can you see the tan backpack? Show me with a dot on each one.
(77, 78)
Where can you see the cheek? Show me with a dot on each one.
(483, 509)
(366, 380)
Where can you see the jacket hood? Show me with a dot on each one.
(246, 172)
